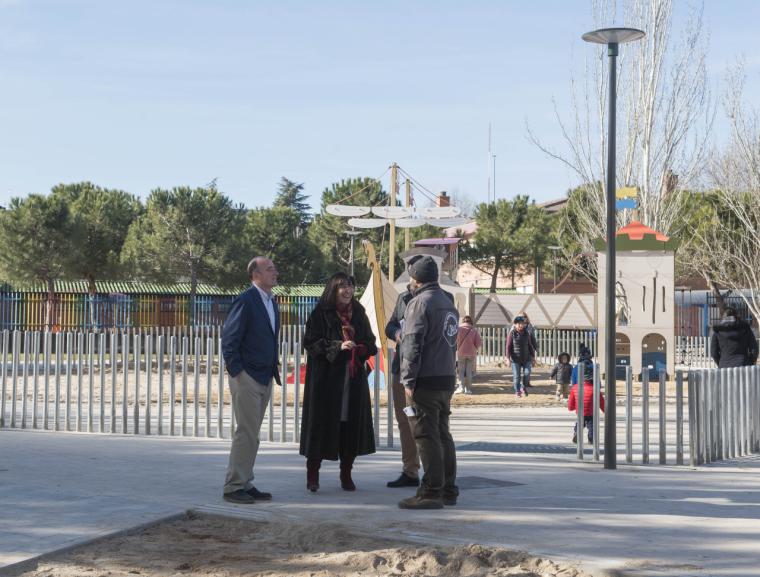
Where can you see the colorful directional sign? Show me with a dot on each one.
(625, 203)
(626, 192)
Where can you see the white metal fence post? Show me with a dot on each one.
(645, 415)
(679, 418)
(663, 417)
(629, 414)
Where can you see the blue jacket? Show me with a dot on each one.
(248, 342)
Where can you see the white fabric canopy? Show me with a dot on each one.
(367, 222)
(439, 211)
(410, 222)
(392, 211)
(447, 222)
(346, 210)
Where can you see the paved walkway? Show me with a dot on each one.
(59, 489)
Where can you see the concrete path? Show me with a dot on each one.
(526, 492)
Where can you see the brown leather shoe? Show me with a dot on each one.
(420, 503)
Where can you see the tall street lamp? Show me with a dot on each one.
(612, 37)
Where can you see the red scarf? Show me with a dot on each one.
(349, 334)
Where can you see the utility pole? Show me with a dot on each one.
(488, 170)
(392, 221)
(407, 203)
(493, 156)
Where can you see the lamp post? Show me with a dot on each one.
(612, 37)
(353, 234)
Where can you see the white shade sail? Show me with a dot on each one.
(446, 222)
(367, 222)
(392, 211)
(347, 210)
(439, 211)
(409, 222)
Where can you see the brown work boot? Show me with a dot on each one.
(418, 502)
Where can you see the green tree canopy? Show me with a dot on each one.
(38, 241)
(513, 236)
(291, 195)
(272, 232)
(102, 217)
(187, 233)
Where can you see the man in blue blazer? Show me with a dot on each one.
(249, 346)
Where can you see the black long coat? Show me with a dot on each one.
(323, 392)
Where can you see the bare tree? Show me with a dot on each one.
(734, 240)
(664, 119)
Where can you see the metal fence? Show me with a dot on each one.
(639, 418)
(551, 342)
(80, 312)
(691, 352)
(724, 413)
(142, 383)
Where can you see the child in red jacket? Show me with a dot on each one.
(584, 370)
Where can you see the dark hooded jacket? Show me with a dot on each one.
(325, 377)
(429, 342)
(733, 343)
(585, 366)
(563, 370)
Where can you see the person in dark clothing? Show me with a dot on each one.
(531, 330)
(337, 412)
(584, 367)
(733, 344)
(428, 371)
(562, 373)
(409, 458)
(521, 355)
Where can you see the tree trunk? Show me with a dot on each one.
(716, 292)
(50, 304)
(495, 274)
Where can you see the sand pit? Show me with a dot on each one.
(216, 546)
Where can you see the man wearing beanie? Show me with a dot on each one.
(428, 373)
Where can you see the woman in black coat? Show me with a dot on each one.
(337, 413)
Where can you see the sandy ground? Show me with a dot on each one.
(216, 546)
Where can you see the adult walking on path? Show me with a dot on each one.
(468, 345)
(531, 330)
(428, 359)
(733, 344)
(410, 460)
(521, 355)
(249, 347)
(337, 412)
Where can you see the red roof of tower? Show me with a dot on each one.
(636, 231)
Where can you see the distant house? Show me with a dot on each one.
(469, 276)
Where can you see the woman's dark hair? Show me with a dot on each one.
(330, 294)
(467, 319)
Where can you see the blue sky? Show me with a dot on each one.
(141, 94)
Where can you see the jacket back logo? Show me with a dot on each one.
(450, 329)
